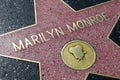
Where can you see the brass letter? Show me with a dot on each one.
(93, 20)
(80, 24)
(87, 22)
(18, 47)
(51, 33)
(73, 28)
(28, 43)
(99, 18)
(35, 39)
(60, 31)
(105, 16)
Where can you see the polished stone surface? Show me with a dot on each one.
(100, 77)
(14, 69)
(16, 14)
(81, 4)
(115, 34)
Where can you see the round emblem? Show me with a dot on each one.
(78, 55)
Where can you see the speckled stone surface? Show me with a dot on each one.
(54, 14)
(15, 69)
(81, 4)
(99, 77)
(16, 14)
(115, 34)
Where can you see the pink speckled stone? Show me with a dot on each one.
(52, 14)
